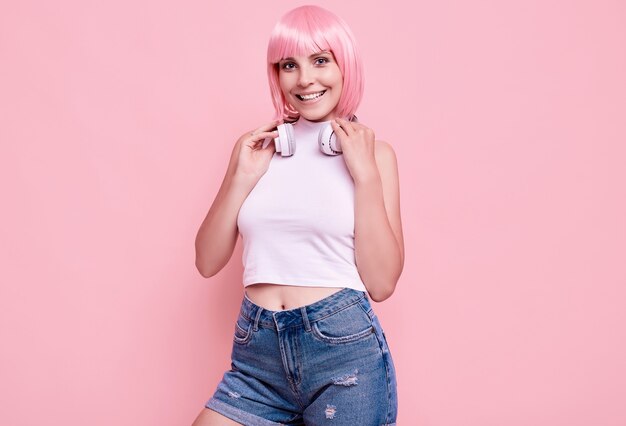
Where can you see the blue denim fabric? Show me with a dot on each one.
(321, 364)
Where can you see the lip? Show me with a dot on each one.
(311, 101)
(310, 93)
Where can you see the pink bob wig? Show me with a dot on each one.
(310, 29)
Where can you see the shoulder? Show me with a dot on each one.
(385, 156)
(384, 148)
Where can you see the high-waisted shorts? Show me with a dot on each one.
(326, 363)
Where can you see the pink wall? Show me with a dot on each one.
(508, 119)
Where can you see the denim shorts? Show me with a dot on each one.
(326, 363)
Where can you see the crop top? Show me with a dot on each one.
(297, 223)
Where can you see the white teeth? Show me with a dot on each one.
(311, 96)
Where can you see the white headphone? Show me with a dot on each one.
(285, 143)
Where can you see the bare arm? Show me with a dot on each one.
(379, 244)
(378, 241)
(217, 236)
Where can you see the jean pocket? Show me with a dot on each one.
(243, 330)
(345, 326)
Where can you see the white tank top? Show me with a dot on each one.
(297, 223)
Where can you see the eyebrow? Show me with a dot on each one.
(322, 52)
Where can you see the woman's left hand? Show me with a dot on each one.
(357, 143)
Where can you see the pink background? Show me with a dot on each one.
(508, 118)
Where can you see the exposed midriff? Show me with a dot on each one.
(279, 297)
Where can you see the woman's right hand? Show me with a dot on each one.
(254, 160)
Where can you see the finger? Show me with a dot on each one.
(267, 127)
(263, 135)
(340, 132)
(346, 126)
(266, 141)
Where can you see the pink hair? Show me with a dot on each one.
(310, 29)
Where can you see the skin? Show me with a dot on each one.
(315, 73)
(379, 244)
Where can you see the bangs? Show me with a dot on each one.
(301, 36)
(304, 31)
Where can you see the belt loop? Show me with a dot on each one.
(256, 319)
(367, 307)
(305, 318)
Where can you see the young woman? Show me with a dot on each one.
(321, 236)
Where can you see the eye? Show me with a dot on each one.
(321, 60)
(288, 66)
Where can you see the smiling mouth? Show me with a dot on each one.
(310, 97)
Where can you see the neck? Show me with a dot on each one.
(303, 121)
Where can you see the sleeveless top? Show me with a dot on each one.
(297, 223)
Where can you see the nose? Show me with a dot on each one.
(305, 78)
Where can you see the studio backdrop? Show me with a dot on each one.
(117, 120)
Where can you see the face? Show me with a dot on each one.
(311, 84)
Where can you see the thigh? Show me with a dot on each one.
(352, 370)
(208, 417)
(354, 396)
(255, 391)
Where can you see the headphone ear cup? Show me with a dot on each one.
(329, 144)
(285, 142)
